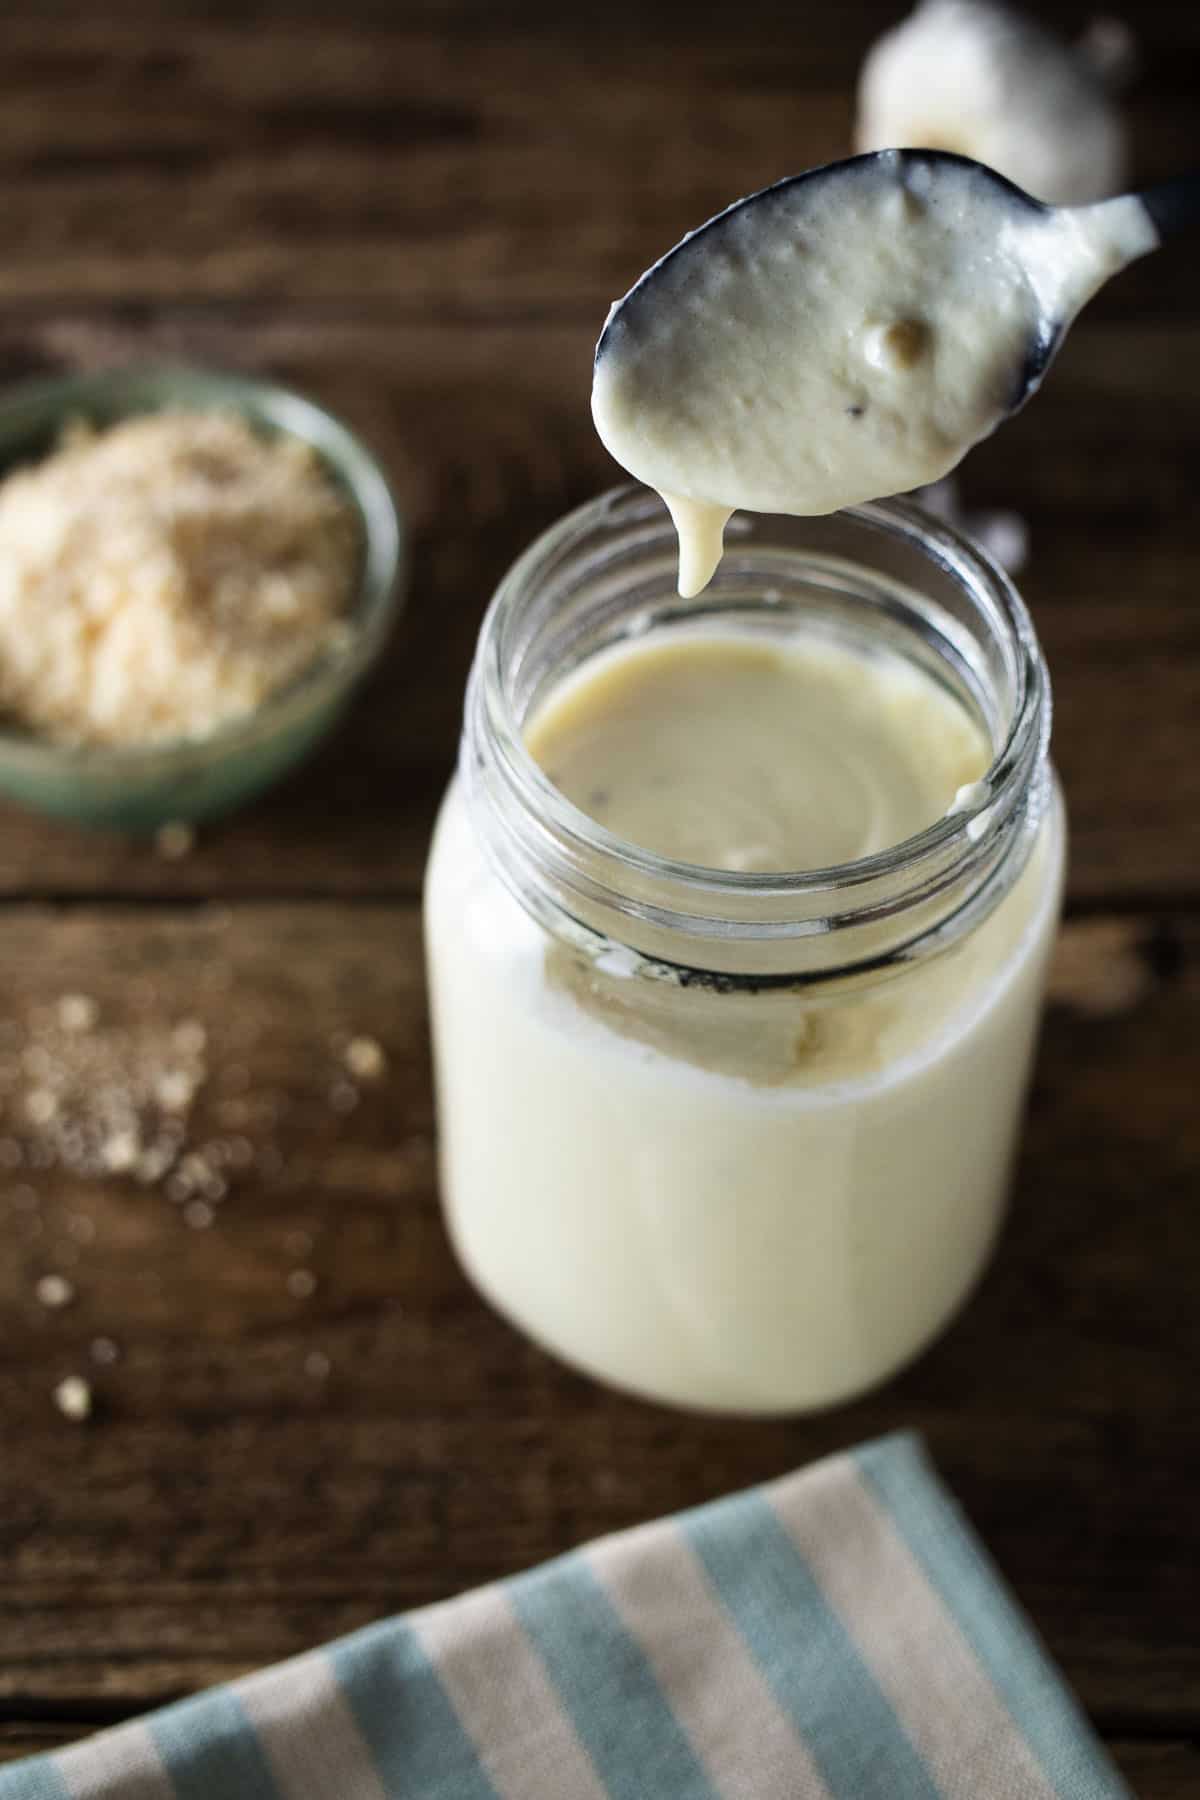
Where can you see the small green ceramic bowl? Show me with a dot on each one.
(137, 789)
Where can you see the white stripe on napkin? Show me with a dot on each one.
(307, 1731)
(505, 1700)
(938, 1689)
(666, 1603)
(119, 1764)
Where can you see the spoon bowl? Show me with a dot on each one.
(845, 334)
(915, 170)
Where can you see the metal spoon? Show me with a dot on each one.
(1170, 207)
(849, 333)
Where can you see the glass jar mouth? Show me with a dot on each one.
(577, 865)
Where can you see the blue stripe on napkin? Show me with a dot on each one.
(210, 1748)
(805, 1653)
(1002, 1637)
(34, 1779)
(607, 1686)
(406, 1718)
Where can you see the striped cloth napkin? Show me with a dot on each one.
(838, 1635)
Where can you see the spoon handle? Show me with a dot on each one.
(1173, 205)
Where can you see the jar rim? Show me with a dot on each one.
(810, 901)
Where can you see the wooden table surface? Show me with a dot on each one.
(418, 214)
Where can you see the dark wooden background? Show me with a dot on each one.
(419, 213)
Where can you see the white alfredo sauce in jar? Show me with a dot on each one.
(730, 1134)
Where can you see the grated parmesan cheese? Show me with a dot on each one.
(73, 1398)
(165, 576)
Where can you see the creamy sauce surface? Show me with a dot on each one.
(737, 753)
(840, 338)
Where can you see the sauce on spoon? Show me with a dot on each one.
(843, 335)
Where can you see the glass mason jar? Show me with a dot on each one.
(738, 1141)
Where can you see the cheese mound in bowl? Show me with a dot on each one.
(195, 571)
(165, 575)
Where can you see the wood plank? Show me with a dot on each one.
(232, 1500)
(485, 431)
(36, 1737)
(1164, 1771)
(439, 156)
(419, 214)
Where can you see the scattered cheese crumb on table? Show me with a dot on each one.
(175, 840)
(54, 1291)
(73, 1398)
(77, 1012)
(365, 1059)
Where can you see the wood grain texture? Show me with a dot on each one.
(486, 435)
(20, 1737)
(223, 1507)
(1164, 1771)
(440, 156)
(419, 214)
